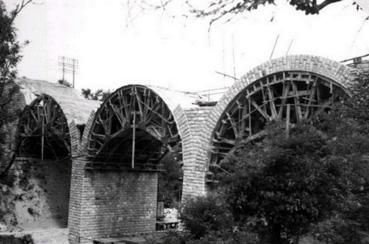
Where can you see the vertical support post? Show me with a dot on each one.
(42, 135)
(275, 44)
(288, 120)
(250, 132)
(63, 64)
(234, 60)
(133, 136)
(74, 71)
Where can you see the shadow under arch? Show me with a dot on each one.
(307, 84)
(43, 130)
(134, 124)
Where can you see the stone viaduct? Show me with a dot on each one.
(109, 192)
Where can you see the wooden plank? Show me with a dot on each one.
(324, 106)
(224, 140)
(311, 98)
(42, 139)
(271, 103)
(118, 113)
(288, 115)
(260, 110)
(297, 102)
(243, 120)
(286, 90)
(233, 124)
(250, 125)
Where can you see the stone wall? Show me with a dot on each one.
(111, 203)
(193, 146)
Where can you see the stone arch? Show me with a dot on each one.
(46, 140)
(313, 67)
(156, 117)
(109, 197)
(43, 122)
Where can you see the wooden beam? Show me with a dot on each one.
(250, 128)
(286, 90)
(261, 111)
(288, 120)
(271, 103)
(42, 138)
(311, 98)
(297, 102)
(133, 141)
(233, 125)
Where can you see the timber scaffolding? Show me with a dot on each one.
(42, 98)
(359, 62)
(201, 127)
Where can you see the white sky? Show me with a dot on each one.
(115, 48)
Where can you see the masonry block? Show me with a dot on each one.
(111, 203)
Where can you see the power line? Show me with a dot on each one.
(275, 44)
(68, 65)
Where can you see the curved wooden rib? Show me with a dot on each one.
(43, 130)
(266, 100)
(132, 106)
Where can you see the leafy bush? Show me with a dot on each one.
(281, 186)
(170, 183)
(204, 215)
(235, 237)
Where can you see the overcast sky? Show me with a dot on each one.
(116, 44)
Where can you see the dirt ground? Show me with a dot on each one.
(41, 236)
(35, 196)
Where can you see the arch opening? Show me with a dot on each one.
(134, 129)
(286, 95)
(43, 130)
(133, 122)
(42, 168)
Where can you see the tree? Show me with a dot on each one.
(64, 83)
(316, 180)
(9, 58)
(217, 9)
(170, 181)
(281, 186)
(348, 126)
(99, 94)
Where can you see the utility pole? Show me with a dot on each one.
(63, 67)
(68, 65)
(233, 59)
(275, 44)
(74, 67)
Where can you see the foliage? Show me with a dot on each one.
(9, 58)
(99, 94)
(221, 8)
(170, 182)
(9, 46)
(281, 185)
(181, 237)
(218, 9)
(348, 127)
(207, 220)
(175, 237)
(204, 215)
(64, 83)
(316, 181)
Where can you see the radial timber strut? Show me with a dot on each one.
(43, 130)
(133, 126)
(306, 94)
